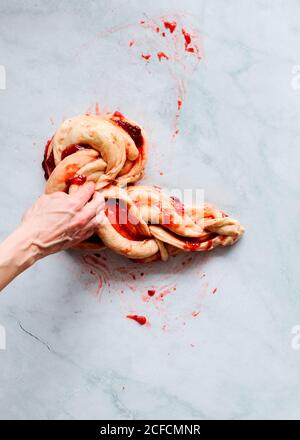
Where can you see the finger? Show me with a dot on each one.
(84, 193)
(95, 206)
(88, 230)
(57, 195)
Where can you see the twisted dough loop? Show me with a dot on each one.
(107, 150)
(140, 222)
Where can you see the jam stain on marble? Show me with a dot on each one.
(187, 38)
(171, 25)
(139, 319)
(146, 56)
(151, 292)
(164, 292)
(100, 270)
(162, 55)
(132, 286)
(170, 35)
(182, 49)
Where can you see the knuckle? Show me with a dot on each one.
(81, 221)
(74, 205)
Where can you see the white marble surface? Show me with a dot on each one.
(67, 354)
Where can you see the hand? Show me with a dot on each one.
(59, 221)
(55, 222)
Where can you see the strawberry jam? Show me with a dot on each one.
(117, 212)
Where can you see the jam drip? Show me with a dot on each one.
(117, 212)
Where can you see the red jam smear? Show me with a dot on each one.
(133, 130)
(77, 180)
(71, 149)
(140, 319)
(193, 244)
(146, 56)
(171, 25)
(48, 163)
(187, 38)
(161, 55)
(117, 212)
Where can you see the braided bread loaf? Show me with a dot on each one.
(140, 222)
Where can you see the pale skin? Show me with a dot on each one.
(54, 223)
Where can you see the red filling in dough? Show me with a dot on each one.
(123, 222)
(77, 180)
(48, 163)
(71, 149)
(193, 244)
(133, 130)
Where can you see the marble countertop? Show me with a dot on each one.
(225, 343)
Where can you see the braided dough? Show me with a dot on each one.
(140, 222)
(107, 150)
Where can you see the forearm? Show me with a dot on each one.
(55, 222)
(17, 253)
